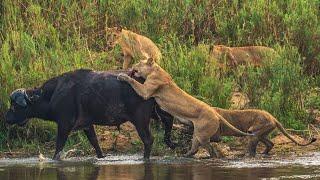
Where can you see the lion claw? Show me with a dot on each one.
(123, 77)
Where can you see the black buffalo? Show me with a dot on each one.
(80, 99)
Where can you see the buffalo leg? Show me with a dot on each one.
(167, 133)
(62, 137)
(147, 139)
(167, 121)
(215, 138)
(92, 137)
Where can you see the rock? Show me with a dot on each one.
(106, 140)
(122, 143)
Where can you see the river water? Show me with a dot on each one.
(125, 167)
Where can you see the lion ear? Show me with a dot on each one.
(150, 61)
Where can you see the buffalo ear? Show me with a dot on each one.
(150, 61)
(36, 94)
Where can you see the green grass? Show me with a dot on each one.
(41, 39)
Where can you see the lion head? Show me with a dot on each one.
(144, 68)
(239, 101)
(113, 35)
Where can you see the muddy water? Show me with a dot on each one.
(132, 167)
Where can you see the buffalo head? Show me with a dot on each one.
(20, 103)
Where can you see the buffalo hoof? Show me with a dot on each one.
(57, 157)
(172, 145)
(101, 156)
(250, 155)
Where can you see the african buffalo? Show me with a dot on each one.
(80, 99)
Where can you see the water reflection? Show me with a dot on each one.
(145, 171)
(151, 170)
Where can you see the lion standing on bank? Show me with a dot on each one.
(235, 56)
(259, 122)
(172, 99)
(134, 46)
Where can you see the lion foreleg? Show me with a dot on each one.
(145, 90)
(126, 62)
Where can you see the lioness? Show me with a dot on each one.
(133, 45)
(172, 99)
(235, 56)
(258, 122)
(239, 100)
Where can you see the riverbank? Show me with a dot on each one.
(127, 141)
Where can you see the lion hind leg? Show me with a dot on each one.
(213, 151)
(269, 145)
(194, 148)
(252, 147)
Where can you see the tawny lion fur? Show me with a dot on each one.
(234, 56)
(258, 122)
(133, 45)
(172, 99)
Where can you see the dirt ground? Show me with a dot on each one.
(126, 140)
(111, 139)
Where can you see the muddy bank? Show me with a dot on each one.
(127, 141)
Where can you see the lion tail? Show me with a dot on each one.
(285, 132)
(224, 121)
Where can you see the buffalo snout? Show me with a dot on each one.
(14, 117)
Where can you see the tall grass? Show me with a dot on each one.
(41, 39)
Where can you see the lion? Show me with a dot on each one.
(235, 56)
(239, 100)
(172, 99)
(134, 46)
(259, 122)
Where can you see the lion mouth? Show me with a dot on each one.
(134, 73)
(131, 72)
(137, 74)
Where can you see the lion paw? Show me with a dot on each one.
(123, 77)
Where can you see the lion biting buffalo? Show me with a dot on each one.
(79, 99)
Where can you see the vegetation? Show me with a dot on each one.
(41, 39)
